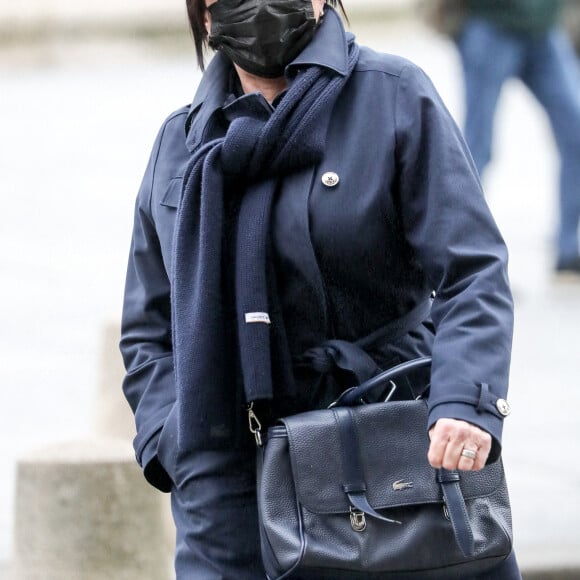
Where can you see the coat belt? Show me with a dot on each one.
(353, 356)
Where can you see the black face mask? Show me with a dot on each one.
(262, 36)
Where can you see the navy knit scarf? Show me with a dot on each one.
(257, 151)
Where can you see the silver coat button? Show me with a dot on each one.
(503, 407)
(330, 179)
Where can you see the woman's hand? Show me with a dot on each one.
(458, 445)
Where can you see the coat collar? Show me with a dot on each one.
(328, 48)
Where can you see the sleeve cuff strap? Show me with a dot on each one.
(479, 396)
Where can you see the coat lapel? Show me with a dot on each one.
(291, 230)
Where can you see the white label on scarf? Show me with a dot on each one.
(257, 317)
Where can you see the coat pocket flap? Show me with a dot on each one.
(392, 442)
(172, 195)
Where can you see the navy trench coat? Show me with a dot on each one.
(407, 217)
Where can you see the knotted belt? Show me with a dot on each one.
(353, 356)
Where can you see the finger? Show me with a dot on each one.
(447, 441)
(482, 452)
(453, 451)
(478, 443)
(436, 448)
(480, 461)
(468, 457)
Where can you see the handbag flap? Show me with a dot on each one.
(392, 441)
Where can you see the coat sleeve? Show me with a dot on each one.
(146, 344)
(457, 242)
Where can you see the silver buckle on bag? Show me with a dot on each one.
(357, 520)
(391, 392)
(446, 511)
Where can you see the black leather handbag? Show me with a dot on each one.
(347, 492)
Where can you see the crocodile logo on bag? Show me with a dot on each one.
(401, 485)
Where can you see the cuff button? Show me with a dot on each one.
(503, 407)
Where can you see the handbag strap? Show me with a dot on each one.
(353, 481)
(457, 510)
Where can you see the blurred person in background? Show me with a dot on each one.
(571, 19)
(503, 39)
(336, 178)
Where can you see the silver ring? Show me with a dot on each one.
(469, 453)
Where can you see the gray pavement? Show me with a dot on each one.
(78, 120)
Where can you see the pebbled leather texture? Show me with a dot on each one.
(305, 510)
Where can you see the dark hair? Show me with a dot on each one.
(196, 15)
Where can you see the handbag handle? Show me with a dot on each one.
(353, 396)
